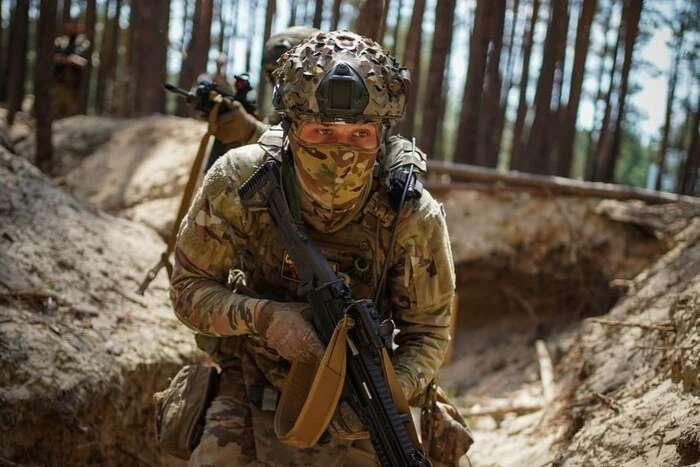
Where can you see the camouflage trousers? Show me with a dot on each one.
(237, 432)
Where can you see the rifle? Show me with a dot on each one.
(201, 97)
(365, 388)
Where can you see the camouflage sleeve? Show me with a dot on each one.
(421, 287)
(210, 239)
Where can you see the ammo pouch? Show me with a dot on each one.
(446, 435)
(180, 409)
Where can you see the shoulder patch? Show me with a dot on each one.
(398, 152)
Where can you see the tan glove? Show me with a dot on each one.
(235, 126)
(285, 329)
(346, 424)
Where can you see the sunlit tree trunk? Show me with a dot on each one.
(537, 158)
(507, 83)
(318, 14)
(432, 102)
(631, 30)
(397, 28)
(411, 60)
(467, 132)
(689, 175)
(263, 81)
(672, 82)
(369, 20)
(335, 14)
(17, 59)
(44, 84)
(489, 109)
(518, 143)
(196, 59)
(567, 133)
(150, 55)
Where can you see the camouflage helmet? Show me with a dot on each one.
(340, 77)
(281, 42)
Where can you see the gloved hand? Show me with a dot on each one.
(235, 125)
(346, 424)
(285, 329)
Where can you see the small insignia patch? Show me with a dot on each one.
(289, 271)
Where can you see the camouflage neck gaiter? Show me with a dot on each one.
(334, 181)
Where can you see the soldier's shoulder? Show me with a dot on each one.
(424, 217)
(232, 169)
(399, 151)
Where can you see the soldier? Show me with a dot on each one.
(69, 61)
(237, 127)
(338, 95)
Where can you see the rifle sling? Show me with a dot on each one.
(186, 199)
(312, 392)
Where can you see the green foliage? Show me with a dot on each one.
(633, 164)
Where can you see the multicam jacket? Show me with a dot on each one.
(219, 235)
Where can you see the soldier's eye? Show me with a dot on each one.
(362, 133)
(325, 131)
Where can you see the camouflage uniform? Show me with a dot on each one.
(220, 235)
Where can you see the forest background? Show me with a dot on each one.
(602, 90)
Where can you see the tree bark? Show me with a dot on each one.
(411, 60)
(4, 56)
(689, 176)
(105, 59)
(318, 14)
(565, 154)
(263, 81)
(506, 86)
(196, 59)
(467, 132)
(253, 8)
(537, 155)
(85, 77)
(672, 81)
(518, 143)
(385, 17)
(369, 20)
(397, 28)
(335, 14)
(46, 33)
(122, 87)
(293, 5)
(631, 33)
(489, 113)
(591, 166)
(151, 23)
(17, 59)
(432, 102)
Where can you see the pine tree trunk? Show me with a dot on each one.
(506, 86)
(411, 60)
(150, 55)
(105, 59)
(385, 18)
(293, 6)
(537, 158)
(565, 154)
(689, 176)
(46, 33)
(222, 27)
(517, 148)
(467, 132)
(197, 55)
(17, 59)
(318, 14)
(397, 28)
(672, 82)
(185, 17)
(85, 77)
(2, 56)
(432, 102)
(489, 110)
(369, 20)
(253, 8)
(335, 14)
(263, 81)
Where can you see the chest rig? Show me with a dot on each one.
(357, 253)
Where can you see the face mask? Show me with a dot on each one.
(333, 181)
